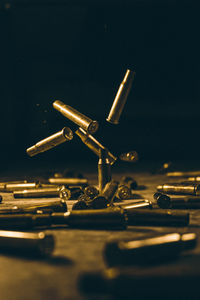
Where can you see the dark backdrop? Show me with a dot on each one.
(78, 52)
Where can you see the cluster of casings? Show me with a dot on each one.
(87, 127)
(186, 192)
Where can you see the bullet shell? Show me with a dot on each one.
(42, 193)
(180, 188)
(94, 219)
(70, 193)
(72, 114)
(25, 243)
(148, 250)
(10, 187)
(100, 218)
(93, 144)
(121, 97)
(195, 179)
(163, 200)
(97, 202)
(123, 192)
(190, 202)
(55, 206)
(184, 174)
(80, 205)
(91, 191)
(110, 190)
(130, 182)
(131, 156)
(50, 142)
(135, 204)
(68, 181)
(13, 182)
(104, 170)
(143, 217)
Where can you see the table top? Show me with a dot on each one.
(80, 250)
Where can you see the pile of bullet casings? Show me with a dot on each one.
(96, 207)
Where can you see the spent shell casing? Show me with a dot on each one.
(121, 97)
(180, 188)
(41, 193)
(135, 204)
(196, 179)
(131, 156)
(130, 182)
(10, 187)
(80, 205)
(100, 218)
(123, 192)
(50, 142)
(72, 193)
(93, 144)
(97, 202)
(143, 217)
(90, 218)
(110, 190)
(55, 206)
(189, 202)
(78, 118)
(148, 250)
(163, 200)
(13, 182)
(183, 174)
(25, 243)
(104, 170)
(69, 181)
(91, 191)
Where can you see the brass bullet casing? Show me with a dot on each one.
(26, 243)
(91, 191)
(189, 202)
(110, 190)
(136, 204)
(71, 193)
(180, 188)
(131, 156)
(69, 181)
(55, 206)
(97, 202)
(123, 192)
(41, 193)
(130, 182)
(13, 182)
(72, 114)
(121, 97)
(10, 187)
(99, 219)
(104, 170)
(143, 217)
(195, 179)
(184, 174)
(93, 144)
(148, 250)
(50, 142)
(80, 205)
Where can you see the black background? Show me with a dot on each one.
(78, 52)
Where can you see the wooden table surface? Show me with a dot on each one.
(78, 251)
